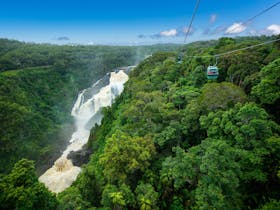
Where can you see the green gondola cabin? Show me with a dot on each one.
(212, 72)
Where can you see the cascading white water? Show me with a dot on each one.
(86, 112)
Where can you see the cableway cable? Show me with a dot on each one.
(233, 51)
(252, 18)
(245, 23)
(192, 19)
(189, 29)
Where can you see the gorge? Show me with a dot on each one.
(86, 112)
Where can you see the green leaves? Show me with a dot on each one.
(221, 95)
(21, 190)
(210, 168)
(268, 90)
(180, 169)
(125, 155)
(117, 198)
(246, 126)
(147, 197)
(272, 204)
(71, 199)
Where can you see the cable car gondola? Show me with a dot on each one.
(212, 72)
(180, 59)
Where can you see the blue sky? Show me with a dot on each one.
(132, 22)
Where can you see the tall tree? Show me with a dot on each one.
(125, 156)
(21, 189)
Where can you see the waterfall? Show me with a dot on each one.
(86, 112)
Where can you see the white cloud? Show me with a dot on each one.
(171, 32)
(236, 28)
(181, 31)
(273, 29)
(213, 18)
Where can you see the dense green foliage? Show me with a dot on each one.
(32, 115)
(174, 140)
(38, 86)
(21, 189)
